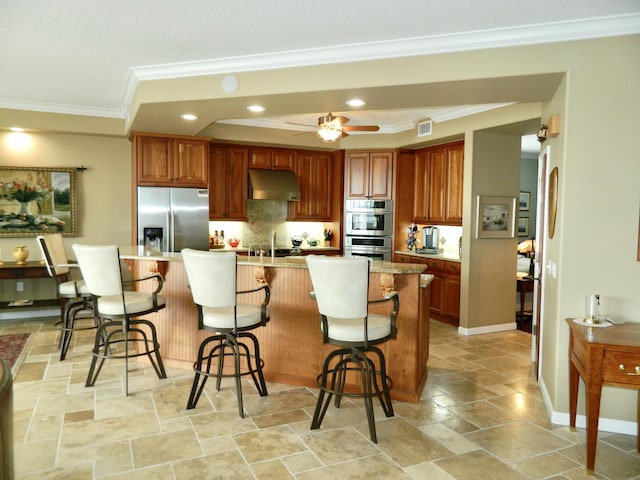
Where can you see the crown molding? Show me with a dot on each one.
(597, 27)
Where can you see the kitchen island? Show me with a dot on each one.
(291, 343)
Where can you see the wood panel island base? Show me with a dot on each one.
(291, 343)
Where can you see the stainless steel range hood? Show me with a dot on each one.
(273, 185)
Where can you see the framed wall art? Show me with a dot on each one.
(525, 198)
(36, 200)
(495, 217)
(553, 201)
(523, 227)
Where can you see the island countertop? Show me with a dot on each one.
(377, 266)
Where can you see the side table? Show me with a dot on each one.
(601, 356)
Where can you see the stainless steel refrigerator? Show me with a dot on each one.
(170, 219)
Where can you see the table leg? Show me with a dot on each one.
(593, 390)
(574, 379)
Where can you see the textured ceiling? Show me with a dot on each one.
(87, 57)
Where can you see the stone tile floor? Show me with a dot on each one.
(481, 416)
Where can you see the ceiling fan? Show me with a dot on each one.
(331, 127)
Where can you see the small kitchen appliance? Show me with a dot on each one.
(430, 240)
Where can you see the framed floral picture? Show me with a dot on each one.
(37, 200)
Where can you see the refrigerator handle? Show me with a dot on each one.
(171, 230)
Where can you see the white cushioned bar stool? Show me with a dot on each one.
(340, 287)
(119, 310)
(212, 280)
(73, 294)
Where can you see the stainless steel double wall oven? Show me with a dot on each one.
(368, 228)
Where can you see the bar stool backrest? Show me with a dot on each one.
(100, 267)
(55, 257)
(212, 277)
(340, 284)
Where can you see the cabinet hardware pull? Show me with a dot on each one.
(623, 370)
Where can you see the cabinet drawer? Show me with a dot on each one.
(452, 268)
(435, 266)
(613, 364)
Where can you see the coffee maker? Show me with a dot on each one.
(430, 240)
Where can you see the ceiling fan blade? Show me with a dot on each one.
(361, 128)
(301, 124)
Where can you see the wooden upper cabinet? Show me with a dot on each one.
(314, 171)
(271, 158)
(455, 176)
(439, 173)
(421, 187)
(369, 175)
(438, 185)
(228, 183)
(171, 161)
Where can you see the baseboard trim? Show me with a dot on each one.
(610, 425)
(503, 327)
(15, 314)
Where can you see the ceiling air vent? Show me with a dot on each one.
(424, 128)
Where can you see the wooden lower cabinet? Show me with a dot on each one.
(445, 286)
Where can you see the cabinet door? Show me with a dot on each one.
(314, 173)
(437, 184)
(451, 291)
(357, 175)
(218, 185)
(436, 268)
(190, 166)
(228, 187)
(421, 188)
(282, 159)
(153, 158)
(260, 158)
(237, 183)
(381, 172)
(455, 175)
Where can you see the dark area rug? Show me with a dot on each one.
(11, 347)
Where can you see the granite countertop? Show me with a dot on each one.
(442, 256)
(138, 253)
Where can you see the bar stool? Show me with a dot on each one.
(73, 294)
(119, 310)
(340, 287)
(212, 279)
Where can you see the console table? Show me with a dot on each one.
(34, 269)
(601, 356)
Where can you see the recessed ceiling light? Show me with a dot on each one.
(17, 129)
(356, 102)
(189, 116)
(256, 108)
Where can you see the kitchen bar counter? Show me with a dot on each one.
(291, 343)
(441, 256)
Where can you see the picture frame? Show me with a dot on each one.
(552, 201)
(495, 217)
(523, 204)
(523, 227)
(37, 200)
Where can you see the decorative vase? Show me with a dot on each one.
(20, 253)
(24, 208)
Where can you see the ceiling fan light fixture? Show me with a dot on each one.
(329, 134)
(256, 108)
